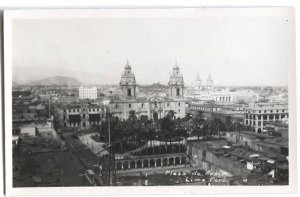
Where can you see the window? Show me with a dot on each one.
(178, 92)
(179, 104)
(129, 105)
(168, 104)
(116, 106)
(277, 110)
(155, 104)
(259, 111)
(283, 110)
(271, 111)
(142, 105)
(265, 111)
(128, 92)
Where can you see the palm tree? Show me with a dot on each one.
(132, 116)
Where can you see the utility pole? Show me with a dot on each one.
(108, 120)
(236, 131)
(49, 107)
(111, 156)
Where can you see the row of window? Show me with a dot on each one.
(253, 123)
(224, 98)
(83, 124)
(268, 111)
(89, 110)
(259, 122)
(204, 108)
(142, 105)
(265, 117)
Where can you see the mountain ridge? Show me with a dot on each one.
(56, 80)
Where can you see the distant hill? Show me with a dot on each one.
(56, 80)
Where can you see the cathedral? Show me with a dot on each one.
(199, 87)
(155, 107)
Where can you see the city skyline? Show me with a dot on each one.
(112, 97)
(244, 48)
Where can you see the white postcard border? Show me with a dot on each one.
(11, 15)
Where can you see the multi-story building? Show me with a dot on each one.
(82, 115)
(153, 107)
(87, 93)
(222, 96)
(256, 115)
(217, 110)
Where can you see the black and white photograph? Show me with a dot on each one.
(148, 98)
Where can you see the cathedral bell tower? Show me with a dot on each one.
(128, 83)
(209, 83)
(176, 83)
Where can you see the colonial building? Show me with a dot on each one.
(203, 88)
(257, 115)
(81, 115)
(154, 107)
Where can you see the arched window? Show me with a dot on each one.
(129, 92)
(178, 92)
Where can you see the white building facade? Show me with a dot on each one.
(256, 115)
(87, 93)
(155, 107)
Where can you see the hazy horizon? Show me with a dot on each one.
(240, 50)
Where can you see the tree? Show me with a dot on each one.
(132, 116)
(188, 117)
(229, 124)
(198, 124)
(216, 127)
(168, 126)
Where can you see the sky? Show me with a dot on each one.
(236, 50)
